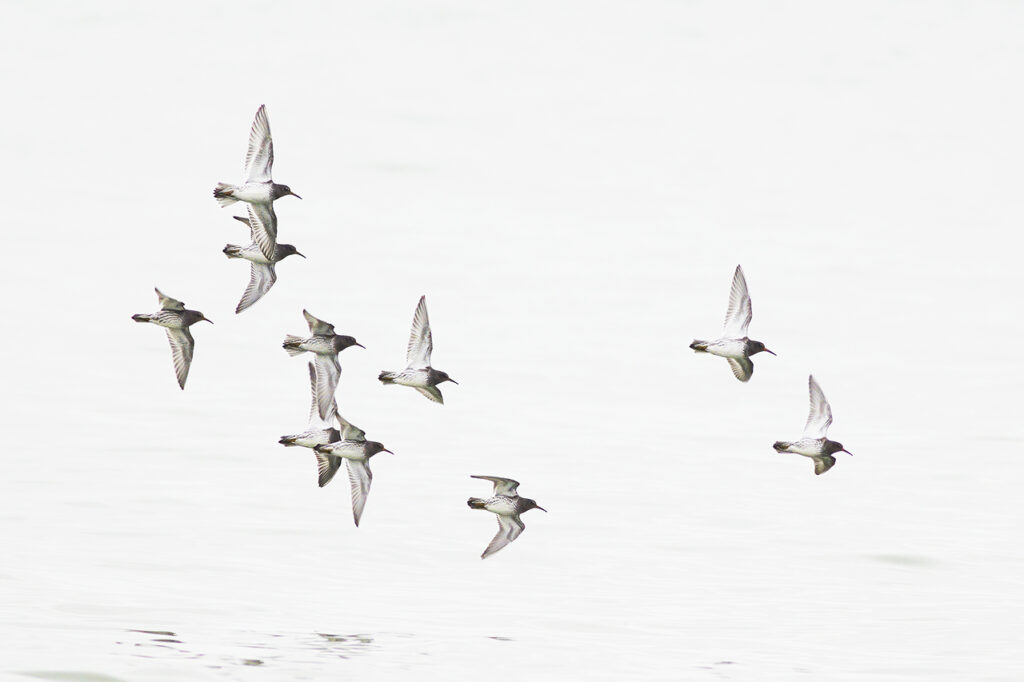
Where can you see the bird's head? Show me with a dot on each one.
(756, 347)
(529, 504)
(343, 342)
(443, 377)
(283, 191)
(835, 446)
(373, 447)
(286, 250)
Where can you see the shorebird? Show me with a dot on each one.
(419, 374)
(507, 505)
(356, 451)
(319, 431)
(325, 345)
(734, 345)
(173, 316)
(813, 443)
(261, 271)
(259, 188)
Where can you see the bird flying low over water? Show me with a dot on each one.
(325, 345)
(419, 374)
(507, 505)
(814, 443)
(176, 320)
(734, 345)
(356, 451)
(259, 189)
(262, 274)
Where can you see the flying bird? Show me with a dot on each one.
(325, 345)
(262, 274)
(734, 345)
(419, 374)
(176, 320)
(319, 431)
(259, 188)
(356, 451)
(507, 505)
(814, 443)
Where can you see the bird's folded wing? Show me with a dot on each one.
(318, 326)
(823, 464)
(432, 392)
(168, 303)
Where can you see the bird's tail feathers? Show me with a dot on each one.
(142, 317)
(291, 344)
(781, 445)
(699, 345)
(232, 251)
(222, 193)
(476, 503)
(386, 377)
(287, 441)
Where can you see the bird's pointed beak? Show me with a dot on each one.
(770, 351)
(453, 381)
(542, 509)
(387, 451)
(847, 452)
(294, 195)
(300, 254)
(360, 345)
(208, 320)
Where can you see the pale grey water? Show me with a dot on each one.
(571, 184)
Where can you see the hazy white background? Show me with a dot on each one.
(571, 185)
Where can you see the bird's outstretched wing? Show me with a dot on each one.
(359, 477)
(261, 278)
(820, 416)
(502, 486)
(263, 228)
(431, 392)
(259, 159)
(737, 316)
(509, 528)
(421, 342)
(326, 467)
(318, 326)
(182, 345)
(823, 464)
(742, 368)
(328, 371)
(314, 408)
(348, 430)
(168, 303)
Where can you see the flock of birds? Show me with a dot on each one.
(333, 445)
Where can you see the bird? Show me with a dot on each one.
(814, 443)
(259, 188)
(176, 320)
(734, 345)
(356, 451)
(319, 431)
(262, 274)
(419, 374)
(325, 345)
(507, 505)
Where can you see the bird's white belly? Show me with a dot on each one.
(253, 253)
(349, 449)
(416, 379)
(806, 447)
(253, 192)
(311, 439)
(727, 348)
(500, 505)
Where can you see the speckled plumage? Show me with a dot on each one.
(734, 345)
(507, 505)
(419, 374)
(262, 272)
(814, 443)
(174, 317)
(325, 345)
